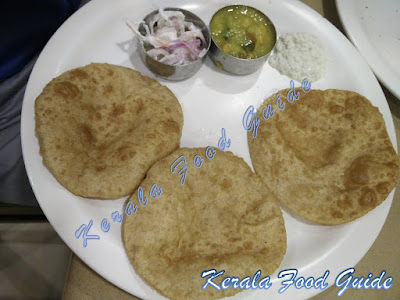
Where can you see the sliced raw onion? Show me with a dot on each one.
(172, 40)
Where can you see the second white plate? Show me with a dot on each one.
(374, 28)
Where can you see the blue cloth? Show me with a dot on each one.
(25, 28)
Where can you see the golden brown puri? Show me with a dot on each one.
(222, 218)
(101, 127)
(326, 156)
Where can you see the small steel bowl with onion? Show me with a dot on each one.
(174, 72)
(242, 38)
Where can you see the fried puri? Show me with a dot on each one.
(101, 127)
(223, 217)
(327, 156)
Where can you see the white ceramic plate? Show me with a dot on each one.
(211, 100)
(374, 28)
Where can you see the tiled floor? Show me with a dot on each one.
(33, 261)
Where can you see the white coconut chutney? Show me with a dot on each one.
(299, 55)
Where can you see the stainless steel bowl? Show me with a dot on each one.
(235, 65)
(179, 72)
